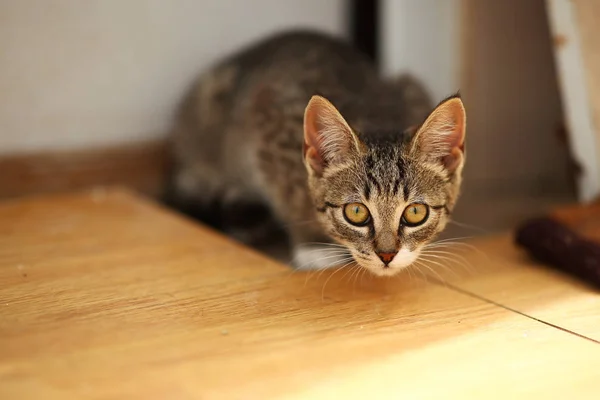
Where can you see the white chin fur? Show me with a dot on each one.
(322, 257)
(402, 260)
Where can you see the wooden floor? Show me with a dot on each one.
(104, 295)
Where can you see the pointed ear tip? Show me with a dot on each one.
(455, 100)
(457, 104)
(452, 101)
(317, 101)
(318, 98)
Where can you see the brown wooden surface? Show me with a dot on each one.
(141, 166)
(111, 297)
(501, 272)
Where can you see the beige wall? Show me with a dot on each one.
(516, 167)
(510, 88)
(80, 73)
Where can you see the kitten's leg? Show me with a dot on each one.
(247, 218)
(191, 194)
(198, 183)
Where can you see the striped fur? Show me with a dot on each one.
(239, 137)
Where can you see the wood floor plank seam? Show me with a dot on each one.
(152, 305)
(507, 308)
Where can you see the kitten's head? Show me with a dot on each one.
(384, 196)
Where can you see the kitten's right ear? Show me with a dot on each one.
(441, 138)
(328, 139)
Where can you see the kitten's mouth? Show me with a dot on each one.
(401, 261)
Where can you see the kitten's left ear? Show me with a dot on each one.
(328, 139)
(441, 138)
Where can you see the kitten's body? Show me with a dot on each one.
(239, 134)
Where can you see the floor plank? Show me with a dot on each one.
(112, 297)
(496, 269)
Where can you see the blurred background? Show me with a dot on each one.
(88, 88)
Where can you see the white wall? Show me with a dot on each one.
(100, 72)
(422, 37)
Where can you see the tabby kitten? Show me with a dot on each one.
(303, 123)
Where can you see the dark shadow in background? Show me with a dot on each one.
(364, 26)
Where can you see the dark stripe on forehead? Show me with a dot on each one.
(369, 167)
(395, 187)
(369, 162)
(401, 167)
(374, 182)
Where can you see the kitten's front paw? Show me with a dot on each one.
(319, 257)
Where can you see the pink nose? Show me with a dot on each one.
(387, 257)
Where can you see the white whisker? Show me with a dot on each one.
(439, 278)
(347, 272)
(456, 246)
(468, 226)
(355, 275)
(417, 268)
(331, 276)
(447, 256)
(439, 264)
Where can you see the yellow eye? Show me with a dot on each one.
(415, 214)
(357, 214)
